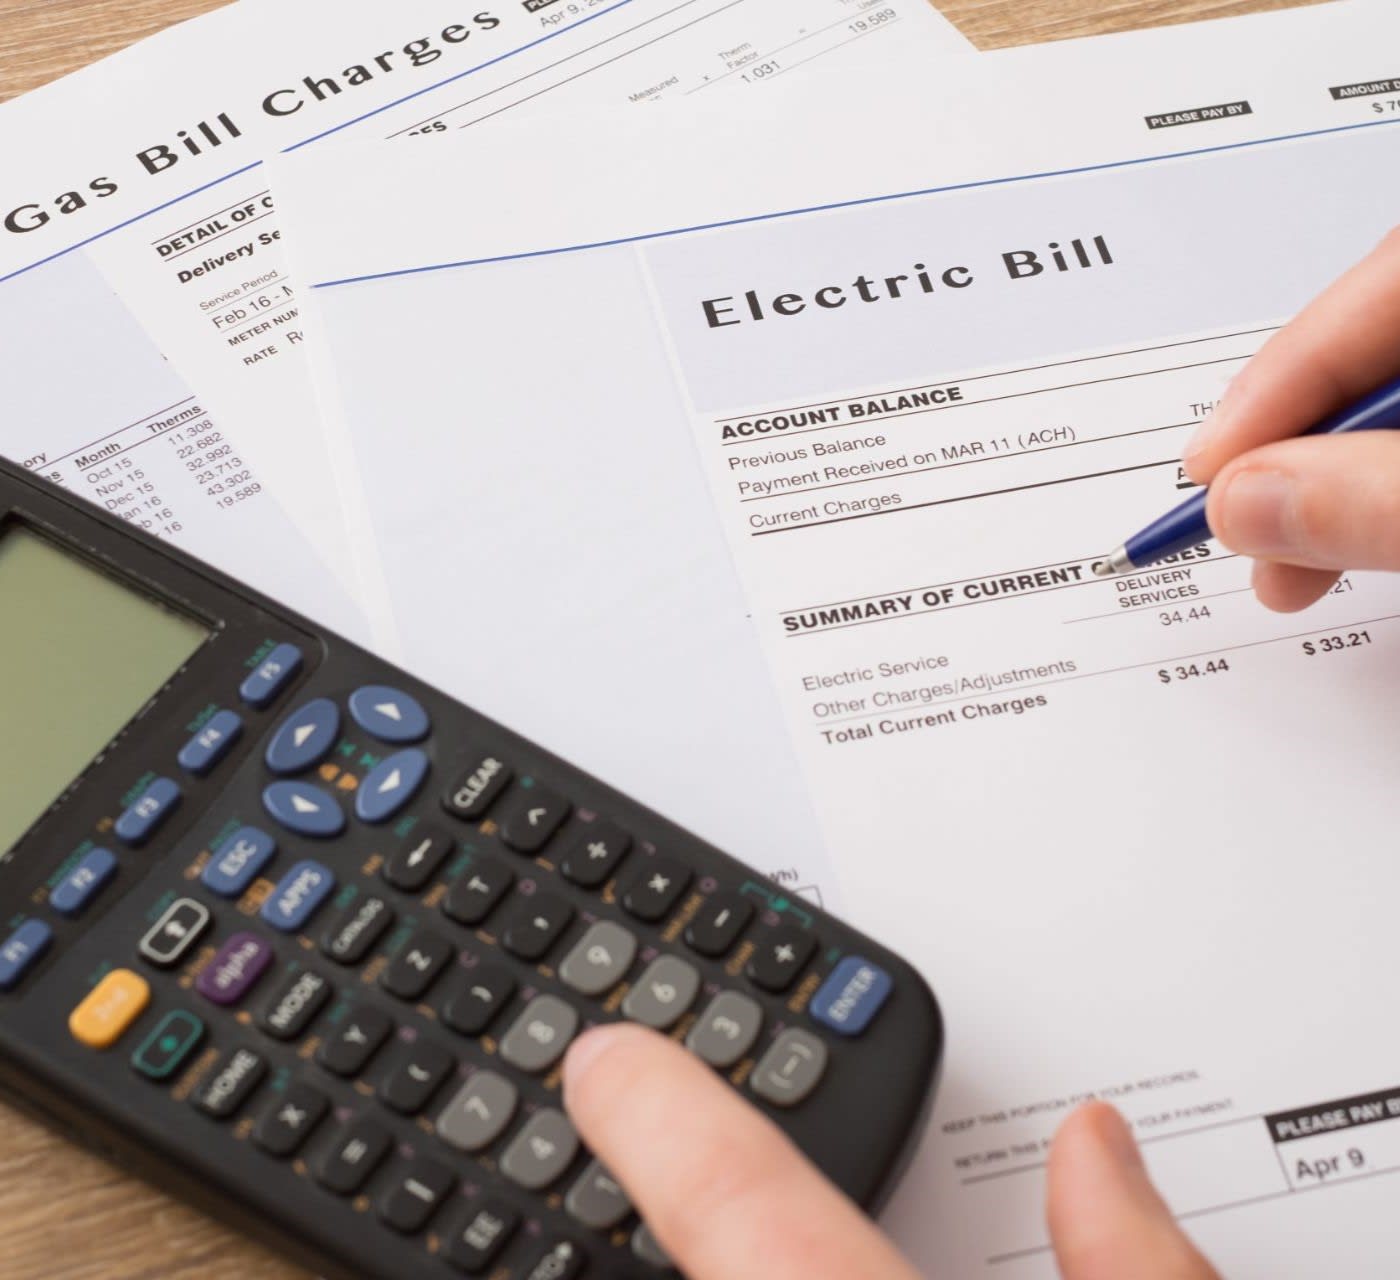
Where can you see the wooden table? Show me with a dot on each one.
(64, 1213)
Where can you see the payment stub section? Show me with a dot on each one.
(1092, 809)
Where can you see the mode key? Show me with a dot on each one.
(477, 787)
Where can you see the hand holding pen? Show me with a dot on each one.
(1307, 506)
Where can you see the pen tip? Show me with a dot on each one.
(1111, 566)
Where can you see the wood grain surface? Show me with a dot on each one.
(66, 1214)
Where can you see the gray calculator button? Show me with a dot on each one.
(646, 1248)
(790, 1069)
(664, 992)
(597, 1200)
(726, 1030)
(479, 1112)
(538, 1037)
(599, 959)
(541, 1151)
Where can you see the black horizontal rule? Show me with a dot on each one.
(1329, 1117)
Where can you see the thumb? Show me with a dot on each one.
(1107, 1221)
(1325, 502)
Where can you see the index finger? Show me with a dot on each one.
(1343, 344)
(719, 1184)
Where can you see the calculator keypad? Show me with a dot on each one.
(389, 1014)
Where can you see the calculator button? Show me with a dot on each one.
(235, 864)
(415, 861)
(416, 1193)
(665, 990)
(357, 1149)
(561, 1260)
(21, 950)
(535, 925)
(236, 1076)
(105, 1013)
(304, 809)
(478, 997)
(538, 1037)
(273, 674)
(290, 1118)
(304, 738)
(597, 1200)
(599, 958)
(780, 954)
(84, 882)
(293, 1005)
(479, 1112)
(140, 822)
(162, 1052)
(477, 786)
(474, 894)
(419, 961)
(789, 1071)
(595, 854)
(356, 929)
(390, 785)
(848, 1000)
(726, 1031)
(654, 888)
(235, 969)
(179, 928)
(541, 1151)
(211, 744)
(718, 924)
(388, 714)
(533, 815)
(646, 1248)
(348, 1049)
(298, 896)
(418, 1074)
(478, 1236)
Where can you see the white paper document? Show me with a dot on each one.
(1136, 832)
(144, 292)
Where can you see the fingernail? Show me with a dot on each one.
(1208, 431)
(1259, 513)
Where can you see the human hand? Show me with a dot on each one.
(1306, 509)
(729, 1197)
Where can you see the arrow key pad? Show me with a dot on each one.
(532, 816)
(599, 959)
(535, 925)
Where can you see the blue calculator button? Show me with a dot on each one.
(237, 861)
(211, 744)
(307, 810)
(84, 882)
(271, 676)
(21, 950)
(851, 996)
(389, 714)
(138, 824)
(299, 893)
(390, 785)
(304, 737)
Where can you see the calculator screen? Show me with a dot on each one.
(80, 655)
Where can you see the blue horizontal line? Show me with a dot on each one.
(847, 204)
(417, 93)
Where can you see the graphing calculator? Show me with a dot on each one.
(303, 941)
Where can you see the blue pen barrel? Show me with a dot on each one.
(1185, 526)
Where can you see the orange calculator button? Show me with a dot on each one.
(109, 1009)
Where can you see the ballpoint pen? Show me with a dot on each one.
(1185, 526)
